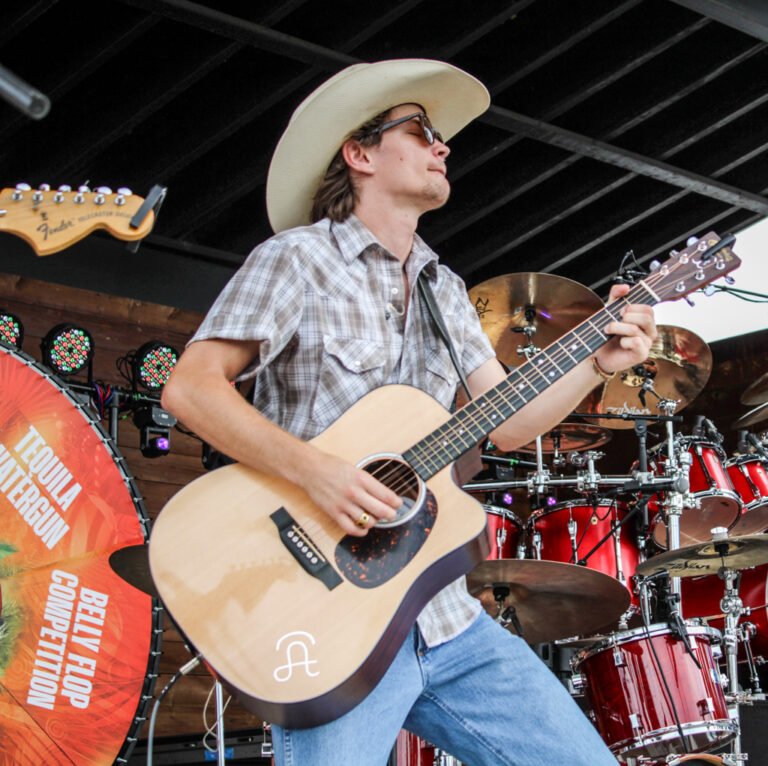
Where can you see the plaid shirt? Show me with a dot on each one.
(326, 304)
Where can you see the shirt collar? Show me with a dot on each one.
(353, 238)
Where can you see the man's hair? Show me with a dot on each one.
(336, 196)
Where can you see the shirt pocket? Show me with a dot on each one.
(442, 378)
(349, 369)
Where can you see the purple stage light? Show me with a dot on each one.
(162, 443)
(551, 500)
(508, 499)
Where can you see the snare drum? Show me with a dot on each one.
(550, 537)
(718, 503)
(750, 479)
(701, 598)
(504, 532)
(629, 702)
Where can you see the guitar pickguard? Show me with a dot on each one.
(372, 560)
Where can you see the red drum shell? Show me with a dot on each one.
(710, 485)
(630, 705)
(592, 525)
(413, 751)
(701, 598)
(750, 479)
(504, 529)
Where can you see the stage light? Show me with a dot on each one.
(508, 498)
(11, 329)
(67, 349)
(551, 500)
(152, 364)
(154, 424)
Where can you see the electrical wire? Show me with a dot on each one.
(209, 730)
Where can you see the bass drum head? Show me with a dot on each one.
(78, 645)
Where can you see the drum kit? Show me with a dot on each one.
(655, 582)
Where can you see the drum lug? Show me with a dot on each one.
(634, 722)
(579, 682)
(707, 706)
(618, 658)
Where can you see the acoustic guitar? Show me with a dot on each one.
(298, 619)
(51, 220)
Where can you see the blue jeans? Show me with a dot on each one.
(484, 697)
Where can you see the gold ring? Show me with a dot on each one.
(362, 522)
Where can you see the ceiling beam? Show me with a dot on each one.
(748, 16)
(623, 158)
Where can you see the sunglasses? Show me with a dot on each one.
(430, 134)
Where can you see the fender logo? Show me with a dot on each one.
(284, 673)
(45, 229)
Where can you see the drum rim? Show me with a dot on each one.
(538, 513)
(741, 459)
(656, 629)
(498, 510)
(659, 736)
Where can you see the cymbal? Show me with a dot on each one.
(702, 559)
(132, 564)
(571, 437)
(552, 600)
(757, 393)
(553, 305)
(756, 415)
(679, 363)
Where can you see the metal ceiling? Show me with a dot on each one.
(614, 125)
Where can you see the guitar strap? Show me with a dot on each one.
(437, 317)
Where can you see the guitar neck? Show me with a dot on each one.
(482, 415)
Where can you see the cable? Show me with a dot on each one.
(182, 671)
(209, 729)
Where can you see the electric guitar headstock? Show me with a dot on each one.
(51, 220)
(700, 263)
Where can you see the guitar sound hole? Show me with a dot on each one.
(400, 478)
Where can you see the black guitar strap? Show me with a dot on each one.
(437, 317)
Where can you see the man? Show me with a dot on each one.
(319, 315)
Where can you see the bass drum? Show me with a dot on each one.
(79, 646)
(701, 598)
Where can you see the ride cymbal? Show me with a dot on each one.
(755, 415)
(679, 364)
(570, 437)
(704, 559)
(552, 600)
(550, 304)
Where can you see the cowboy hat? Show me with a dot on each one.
(321, 123)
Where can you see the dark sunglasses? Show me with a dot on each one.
(430, 134)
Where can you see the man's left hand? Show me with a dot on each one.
(633, 335)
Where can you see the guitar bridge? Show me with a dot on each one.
(303, 549)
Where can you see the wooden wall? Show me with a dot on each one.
(119, 325)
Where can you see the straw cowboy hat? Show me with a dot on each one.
(321, 123)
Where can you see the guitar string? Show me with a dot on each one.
(588, 331)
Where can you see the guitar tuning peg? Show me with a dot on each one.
(65, 188)
(23, 187)
(729, 280)
(673, 253)
(688, 300)
(125, 191)
(654, 265)
(691, 241)
(83, 189)
(44, 187)
(103, 190)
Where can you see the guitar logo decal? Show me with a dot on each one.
(283, 673)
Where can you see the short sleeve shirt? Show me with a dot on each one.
(326, 303)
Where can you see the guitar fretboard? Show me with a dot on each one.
(482, 415)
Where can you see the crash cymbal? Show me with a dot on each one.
(552, 600)
(551, 304)
(679, 363)
(756, 415)
(132, 564)
(571, 437)
(703, 559)
(757, 393)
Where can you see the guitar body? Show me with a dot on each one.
(294, 650)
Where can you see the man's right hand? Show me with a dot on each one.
(348, 494)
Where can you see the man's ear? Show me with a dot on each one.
(358, 157)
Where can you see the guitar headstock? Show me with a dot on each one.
(51, 220)
(698, 264)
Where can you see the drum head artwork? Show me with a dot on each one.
(75, 639)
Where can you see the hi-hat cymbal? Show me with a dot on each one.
(552, 600)
(552, 304)
(756, 415)
(704, 559)
(757, 393)
(571, 437)
(679, 363)
(132, 564)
